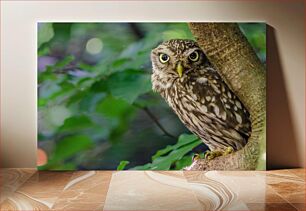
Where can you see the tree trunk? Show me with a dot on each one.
(230, 52)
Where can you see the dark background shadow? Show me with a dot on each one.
(281, 139)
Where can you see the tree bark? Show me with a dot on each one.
(237, 63)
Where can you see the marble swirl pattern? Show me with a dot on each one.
(170, 191)
(28, 189)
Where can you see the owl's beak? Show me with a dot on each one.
(180, 69)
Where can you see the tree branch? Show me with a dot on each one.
(155, 120)
(234, 58)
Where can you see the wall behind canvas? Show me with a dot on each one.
(285, 63)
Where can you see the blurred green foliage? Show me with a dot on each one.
(96, 109)
(168, 157)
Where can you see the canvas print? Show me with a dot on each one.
(151, 96)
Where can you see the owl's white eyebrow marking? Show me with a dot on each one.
(164, 50)
(189, 51)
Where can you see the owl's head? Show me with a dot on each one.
(177, 58)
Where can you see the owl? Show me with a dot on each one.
(192, 87)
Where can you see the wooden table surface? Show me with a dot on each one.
(28, 189)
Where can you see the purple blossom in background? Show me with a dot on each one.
(45, 61)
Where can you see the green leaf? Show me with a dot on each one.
(85, 66)
(183, 140)
(76, 123)
(122, 165)
(46, 75)
(112, 107)
(64, 62)
(85, 83)
(56, 115)
(165, 158)
(43, 50)
(42, 102)
(45, 33)
(70, 146)
(77, 96)
(66, 88)
(119, 62)
(51, 165)
(185, 161)
(89, 101)
(126, 85)
(165, 162)
(144, 167)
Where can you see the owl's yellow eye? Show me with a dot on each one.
(194, 56)
(163, 58)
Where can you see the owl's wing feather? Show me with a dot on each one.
(227, 113)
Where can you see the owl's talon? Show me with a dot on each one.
(212, 154)
(228, 151)
(209, 155)
(196, 157)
